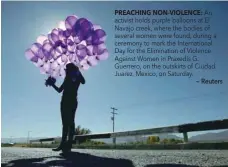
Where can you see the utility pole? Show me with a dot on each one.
(113, 122)
(28, 136)
(11, 139)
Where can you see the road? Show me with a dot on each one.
(44, 157)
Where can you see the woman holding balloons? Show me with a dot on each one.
(69, 103)
(75, 44)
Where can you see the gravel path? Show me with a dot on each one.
(43, 157)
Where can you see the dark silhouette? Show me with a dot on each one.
(171, 165)
(69, 103)
(72, 159)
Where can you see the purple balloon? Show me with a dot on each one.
(29, 54)
(83, 28)
(70, 41)
(47, 51)
(34, 59)
(61, 25)
(98, 37)
(75, 59)
(50, 40)
(89, 40)
(64, 50)
(46, 41)
(55, 35)
(89, 50)
(95, 49)
(67, 33)
(70, 22)
(42, 71)
(84, 65)
(71, 46)
(59, 49)
(77, 40)
(39, 63)
(35, 48)
(103, 55)
(63, 43)
(55, 54)
(51, 60)
(40, 53)
(101, 48)
(92, 60)
(81, 54)
(55, 73)
(41, 39)
(47, 47)
(47, 68)
(81, 46)
(58, 61)
(54, 65)
(64, 58)
(62, 35)
(62, 72)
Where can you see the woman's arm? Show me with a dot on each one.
(58, 89)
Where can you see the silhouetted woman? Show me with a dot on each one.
(69, 104)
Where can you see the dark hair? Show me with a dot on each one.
(71, 68)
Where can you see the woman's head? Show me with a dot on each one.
(71, 69)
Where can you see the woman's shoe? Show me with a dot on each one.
(63, 141)
(58, 148)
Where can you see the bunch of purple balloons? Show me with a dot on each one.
(76, 40)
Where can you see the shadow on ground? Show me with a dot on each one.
(175, 165)
(73, 159)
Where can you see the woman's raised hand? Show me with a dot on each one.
(50, 81)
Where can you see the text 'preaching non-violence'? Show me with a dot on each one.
(158, 12)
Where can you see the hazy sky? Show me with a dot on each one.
(146, 102)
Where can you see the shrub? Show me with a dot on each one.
(153, 139)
